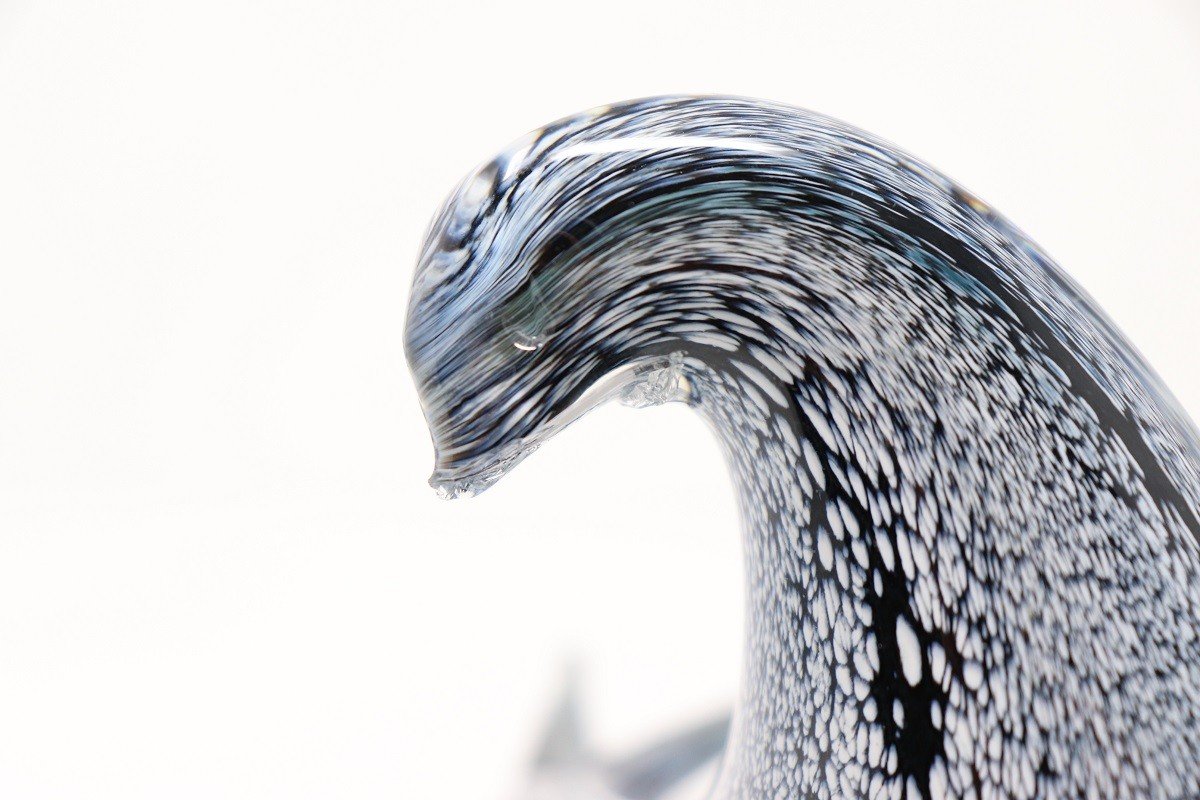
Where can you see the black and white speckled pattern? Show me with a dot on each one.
(971, 512)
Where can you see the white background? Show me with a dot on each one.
(221, 572)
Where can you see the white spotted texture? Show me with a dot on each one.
(970, 510)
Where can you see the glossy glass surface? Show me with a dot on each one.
(970, 511)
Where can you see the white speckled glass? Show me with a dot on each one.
(970, 510)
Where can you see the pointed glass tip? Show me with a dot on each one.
(456, 488)
(474, 478)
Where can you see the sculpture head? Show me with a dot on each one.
(494, 335)
(533, 284)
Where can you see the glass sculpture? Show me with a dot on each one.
(970, 510)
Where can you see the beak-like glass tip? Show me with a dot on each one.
(478, 474)
(449, 489)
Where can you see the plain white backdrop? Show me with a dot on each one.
(222, 574)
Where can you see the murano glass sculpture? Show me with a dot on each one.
(970, 510)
